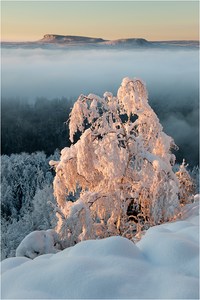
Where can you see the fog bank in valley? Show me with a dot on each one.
(171, 78)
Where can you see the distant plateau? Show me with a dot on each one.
(69, 41)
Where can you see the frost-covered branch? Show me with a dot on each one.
(122, 165)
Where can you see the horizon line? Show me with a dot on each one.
(122, 38)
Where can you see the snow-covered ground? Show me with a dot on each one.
(163, 265)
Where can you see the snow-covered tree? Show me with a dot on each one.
(26, 190)
(194, 173)
(186, 184)
(121, 164)
(22, 174)
(42, 213)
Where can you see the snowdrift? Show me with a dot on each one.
(163, 265)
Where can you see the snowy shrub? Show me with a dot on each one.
(40, 217)
(37, 243)
(122, 164)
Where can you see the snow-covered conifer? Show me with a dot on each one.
(186, 184)
(26, 190)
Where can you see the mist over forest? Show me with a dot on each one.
(40, 85)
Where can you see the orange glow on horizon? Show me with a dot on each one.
(153, 20)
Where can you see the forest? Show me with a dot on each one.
(33, 133)
(114, 202)
(41, 125)
(38, 126)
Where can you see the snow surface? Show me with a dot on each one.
(163, 265)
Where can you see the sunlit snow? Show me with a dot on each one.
(163, 265)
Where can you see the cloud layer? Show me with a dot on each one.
(171, 78)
